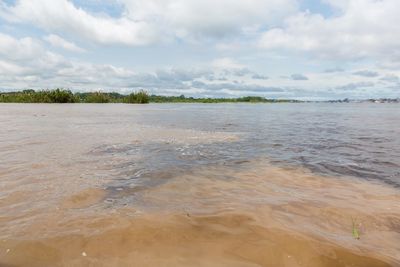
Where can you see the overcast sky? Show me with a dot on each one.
(301, 49)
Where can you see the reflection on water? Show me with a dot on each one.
(199, 185)
(355, 139)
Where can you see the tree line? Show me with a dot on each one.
(66, 96)
(139, 97)
(245, 99)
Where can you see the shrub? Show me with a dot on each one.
(97, 97)
(141, 97)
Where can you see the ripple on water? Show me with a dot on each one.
(161, 186)
(256, 214)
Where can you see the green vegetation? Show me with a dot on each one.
(95, 97)
(30, 96)
(140, 97)
(183, 99)
(66, 96)
(355, 231)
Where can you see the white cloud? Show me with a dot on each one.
(227, 63)
(26, 63)
(57, 41)
(9, 68)
(63, 16)
(19, 49)
(148, 21)
(210, 17)
(362, 29)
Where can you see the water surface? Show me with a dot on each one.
(199, 185)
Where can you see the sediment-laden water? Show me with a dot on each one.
(200, 185)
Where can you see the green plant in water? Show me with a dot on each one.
(355, 231)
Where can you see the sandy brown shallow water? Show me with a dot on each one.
(65, 202)
(262, 216)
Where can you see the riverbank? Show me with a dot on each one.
(140, 97)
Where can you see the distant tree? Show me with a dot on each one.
(140, 97)
(97, 97)
(59, 96)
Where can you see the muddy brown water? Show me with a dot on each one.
(171, 185)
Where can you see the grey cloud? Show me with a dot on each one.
(353, 86)
(390, 78)
(333, 70)
(298, 77)
(163, 80)
(182, 75)
(211, 77)
(239, 72)
(242, 87)
(257, 76)
(163, 75)
(198, 84)
(366, 73)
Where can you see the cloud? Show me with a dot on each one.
(230, 67)
(38, 68)
(227, 63)
(249, 88)
(298, 77)
(144, 22)
(57, 41)
(26, 58)
(354, 86)
(10, 69)
(366, 73)
(360, 29)
(25, 63)
(259, 77)
(19, 49)
(239, 72)
(63, 16)
(391, 78)
(208, 17)
(183, 35)
(333, 70)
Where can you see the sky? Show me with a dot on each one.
(297, 49)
